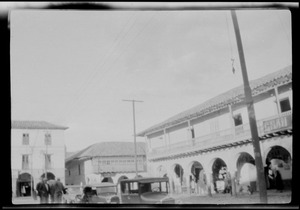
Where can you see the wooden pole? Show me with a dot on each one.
(251, 114)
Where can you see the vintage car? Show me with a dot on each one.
(97, 193)
(154, 190)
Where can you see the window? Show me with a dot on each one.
(47, 161)
(79, 169)
(285, 105)
(48, 140)
(238, 119)
(25, 162)
(69, 172)
(25, 139)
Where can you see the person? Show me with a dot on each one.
(43, 189)
(23, 191)
(52, 183)
(192, 185)
(59, 191)
(278, 179)
(271, 178)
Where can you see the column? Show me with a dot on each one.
(232, 175)
(209, 182)
(277, 100)
(231, 120)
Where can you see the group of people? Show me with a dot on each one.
(52, 189)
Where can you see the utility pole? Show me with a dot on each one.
(251, 114)
(135, 156)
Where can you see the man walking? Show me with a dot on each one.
(43, 190)
(59, 190)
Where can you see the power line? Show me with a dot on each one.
(93, 75)
(126, 48)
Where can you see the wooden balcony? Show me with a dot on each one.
(239, 133)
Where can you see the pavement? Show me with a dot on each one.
(274, 197)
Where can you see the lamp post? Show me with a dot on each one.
(251, 114)
(134, 135)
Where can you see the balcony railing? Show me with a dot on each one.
(242, 132)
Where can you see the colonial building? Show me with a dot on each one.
(37, 150)
(200, 141)
(105, 162)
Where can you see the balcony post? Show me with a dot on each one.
(231, 121)
(277, 100)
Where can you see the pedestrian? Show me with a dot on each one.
(192, 185)
(43, 189)
(23, 191)
(278, 179)
(51, 183)
(59, 191)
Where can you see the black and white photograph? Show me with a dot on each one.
(151, 104)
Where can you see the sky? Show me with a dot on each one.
(75, 68)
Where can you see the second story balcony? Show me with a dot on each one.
(239, 133)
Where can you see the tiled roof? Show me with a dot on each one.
(17, 124)
(108, 149)
(221, 101)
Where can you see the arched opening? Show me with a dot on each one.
(280, 159)
(179, 181)
(246, 170)
(50, 176)
(195, 170)
(107, 179)
(219, 172)
(122, 188)
(24, 185)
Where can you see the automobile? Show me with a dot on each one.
(96, 193)
(151, 190)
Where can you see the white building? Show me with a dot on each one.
(37, 147)
(106, 162)
(200, 141)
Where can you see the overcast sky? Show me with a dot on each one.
(74, 68)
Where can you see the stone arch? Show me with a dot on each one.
(24, 184)
(246, 170)
(217, 165)
(242, 159)
(195, 167)
(281, 159)
(177, 177)
(121, 188)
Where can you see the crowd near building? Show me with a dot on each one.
(106, 162)
(212, 142)
(37, 151)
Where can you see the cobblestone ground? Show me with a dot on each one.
(273, 198)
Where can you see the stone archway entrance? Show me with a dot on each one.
(246, 170)
(280, 158)
(24, 185)
(179, 181)
(218, 167)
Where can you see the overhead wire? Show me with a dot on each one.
(125, 49)
(93, 75)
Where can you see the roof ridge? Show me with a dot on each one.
(231, 94)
